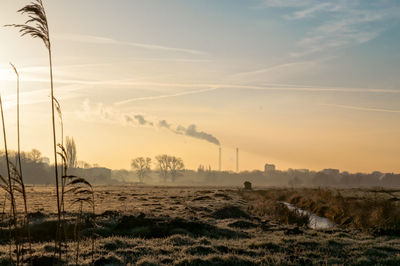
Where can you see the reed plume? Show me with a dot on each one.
(37, 27)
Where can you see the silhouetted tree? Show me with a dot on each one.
(35, 155)
(176, 167)
(71, 152)
(163, 163)
(83, 164)
(200, 169)
(141, 166)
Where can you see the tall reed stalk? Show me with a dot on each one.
(10, 185)
(82, 192)
(77, 233)
(19, 168)
(64, 169)
(37, 27)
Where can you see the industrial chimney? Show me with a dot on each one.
(237, 160)
(219, 162)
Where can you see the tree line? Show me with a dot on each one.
(169, 167)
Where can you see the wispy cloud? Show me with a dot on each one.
(265, 87)
(39, 73)
(310, 11)
(105, 40)
(338, 24)
(284, 3)
(166, 90)
(360, 108)
(40, 96)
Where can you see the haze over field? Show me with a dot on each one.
(302, 84)
(259, 132)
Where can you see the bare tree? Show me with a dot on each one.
(35, 155)
(71, 152)
(163, 163)
(169, 165)
(83, 164)
(176, 167)
(141, 166)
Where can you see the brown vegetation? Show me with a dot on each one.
(376, 211)
(166, 226)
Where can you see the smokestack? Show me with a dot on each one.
(219, 162)
(237, 160)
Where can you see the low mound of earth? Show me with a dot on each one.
(243, 225)
(191, 226)
(230, 212)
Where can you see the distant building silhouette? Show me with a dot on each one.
(269, 169)
(330, 171)
(298, 171)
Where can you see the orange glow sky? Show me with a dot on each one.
(301, 85)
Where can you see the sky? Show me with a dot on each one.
(300, 84)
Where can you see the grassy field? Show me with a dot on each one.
(215, 226)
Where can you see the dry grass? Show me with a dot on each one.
(377, 211)
(269, 206)
(174, 226)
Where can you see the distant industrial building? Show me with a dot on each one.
(295, 171)
(331, 172)
(269, 169)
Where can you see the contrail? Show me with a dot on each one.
(165, 96)
(213, 87)
(359, 108)
(110, 41)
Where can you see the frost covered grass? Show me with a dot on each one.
(196, 226)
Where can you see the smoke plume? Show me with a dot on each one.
(192, 131)
(99, 112)
(164, 123)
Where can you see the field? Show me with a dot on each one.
(203, 226)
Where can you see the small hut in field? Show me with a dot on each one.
(247, 185)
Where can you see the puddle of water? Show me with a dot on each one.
(315, 221)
